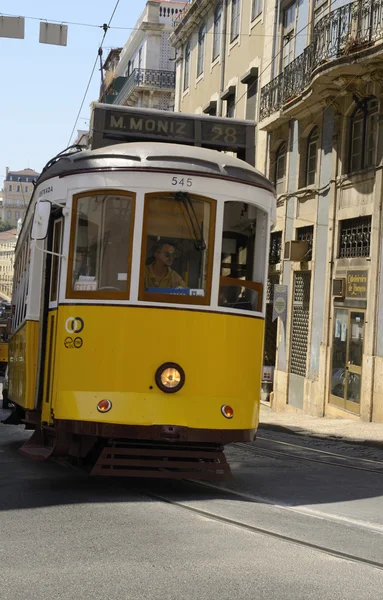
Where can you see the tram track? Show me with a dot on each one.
(143, 492)
(254, 449)
(265, 532)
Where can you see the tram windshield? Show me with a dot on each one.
(177, 261)
(243, 256)
(102, 240)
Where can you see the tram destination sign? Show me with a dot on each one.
(112, 124)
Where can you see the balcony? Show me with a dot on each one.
(346, 31)
(145, 79)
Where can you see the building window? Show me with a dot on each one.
(230, 106)
(256, 8)
(235, 19)
(275, 248)
(306, 234)
(8, 215)
(26, 188)
(355, 237)
(187, 66)
(17, 215)
(280, 168)
(18, 188)
(288, 39)
(320, 10)
(10, 187)
(217, 31)
(312, 153)
(363, 137)
(140, 58)
(201, 49)
(251, 98)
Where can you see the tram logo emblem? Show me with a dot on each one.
(74, 325)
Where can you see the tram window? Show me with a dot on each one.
(243, 257)
(57, 229)
(102, 245)
(176, 258)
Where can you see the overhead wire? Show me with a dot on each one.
(106, 28)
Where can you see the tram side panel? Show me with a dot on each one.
(23, 352)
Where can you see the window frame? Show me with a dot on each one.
(310, 142)
(175, 299)
(201, 50)
(235, 20)
(278, 155)
(105, 294)
(363, 114)
(256, 9)
(217, 32)
(187, 58)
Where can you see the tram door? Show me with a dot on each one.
(347, 356)
(51, 299)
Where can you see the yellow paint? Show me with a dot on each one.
(49, 367)
(3, 352)
(23, 349)
(122, 347)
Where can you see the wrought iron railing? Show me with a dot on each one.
(177, 20)
(345, 30)
(148, 78)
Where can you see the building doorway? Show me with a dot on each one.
(347, 356)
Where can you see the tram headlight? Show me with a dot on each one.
(170, 378)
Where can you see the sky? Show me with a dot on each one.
(42, 86)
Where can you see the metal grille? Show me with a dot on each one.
(275, 248)
(306, 234)
(355, 237)
(300, 322)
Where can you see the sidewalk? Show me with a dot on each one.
(347, 430)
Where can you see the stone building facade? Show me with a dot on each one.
(142, 73)
(17, 192)
(319, 112)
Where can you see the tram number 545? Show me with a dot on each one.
(182, 181)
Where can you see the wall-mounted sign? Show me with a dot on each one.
(356, 285)
(280, 302)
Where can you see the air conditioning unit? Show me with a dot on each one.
(338, 288)
(296, 250)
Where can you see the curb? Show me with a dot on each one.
(305, 433)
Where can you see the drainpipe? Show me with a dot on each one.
(223, 58)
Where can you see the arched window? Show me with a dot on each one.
(280, 168)
(363, 134)
(312, 153)
(201, 49)
(187, 66)
(217, 31)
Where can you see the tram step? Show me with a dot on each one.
(160, 461)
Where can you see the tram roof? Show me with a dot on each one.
(158, 156)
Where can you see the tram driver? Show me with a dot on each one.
(159, 274)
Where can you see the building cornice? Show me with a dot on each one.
(189, 20)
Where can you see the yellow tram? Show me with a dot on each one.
(139, 297)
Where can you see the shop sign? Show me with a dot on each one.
(357, 284)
